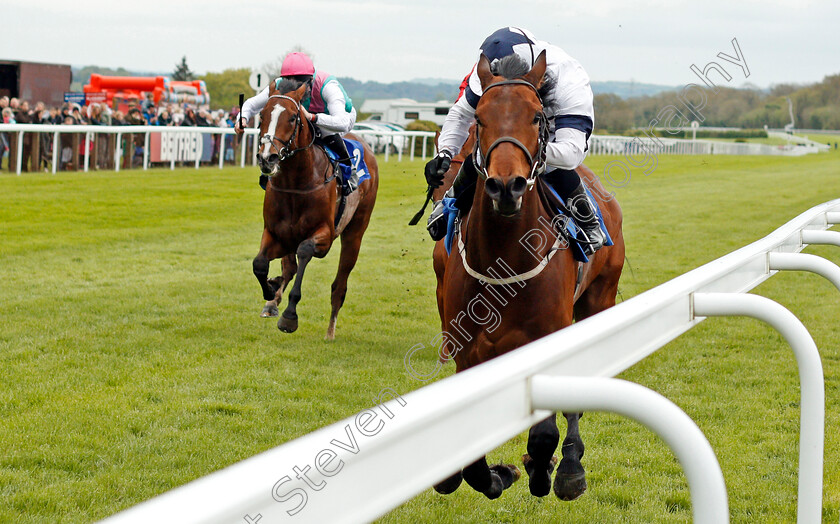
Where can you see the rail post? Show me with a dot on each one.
(709, 503)
(812, 386)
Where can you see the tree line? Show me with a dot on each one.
(815, 106)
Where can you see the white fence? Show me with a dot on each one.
(180, 144)
(485, 406)
(620, 145)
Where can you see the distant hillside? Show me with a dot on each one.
(628, 89)
(419, 89)
(421, 92)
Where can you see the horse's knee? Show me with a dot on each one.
(306, 249)
(260, 265)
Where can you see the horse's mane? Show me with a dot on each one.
(513, 66)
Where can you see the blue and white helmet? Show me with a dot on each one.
(511, 40)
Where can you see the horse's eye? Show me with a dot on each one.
(536, 119)
(478, 122)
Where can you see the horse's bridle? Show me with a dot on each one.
(536, 162)
(284, 151)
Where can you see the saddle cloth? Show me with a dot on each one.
(357, 153)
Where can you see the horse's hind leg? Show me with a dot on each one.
(490, 480)
(540, 461)
(351, 242)
(450, 484)
(570, 482)
(289, 265)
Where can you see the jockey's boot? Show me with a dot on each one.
(462, 190)
(584, 212)
(336, 143)
(567, 184)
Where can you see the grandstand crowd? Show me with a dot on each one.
(19, 111)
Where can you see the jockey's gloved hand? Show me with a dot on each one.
(437, 167)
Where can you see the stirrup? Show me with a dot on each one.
(435, 225)
(594, 239)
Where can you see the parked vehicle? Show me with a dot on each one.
(378, 142)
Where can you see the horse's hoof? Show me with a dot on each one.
(449, 485)
(569, 486)
(508, 473)
(270, 311)
(539, 478)
(287, 325)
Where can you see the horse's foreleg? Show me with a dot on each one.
(490, 480)
(269, 250)
(350, 244)
(540, 461)
(289, 266)
(317, 245)
(570, 482)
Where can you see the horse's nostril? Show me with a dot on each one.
(493, 188)
(273, 158)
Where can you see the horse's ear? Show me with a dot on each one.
(536, 74)
(483, 70)
(300, 92)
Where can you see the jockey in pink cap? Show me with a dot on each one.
(326, 105)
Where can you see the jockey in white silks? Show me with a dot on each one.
(326, 105)
(567, 102)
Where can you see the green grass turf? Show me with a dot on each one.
(133, 359)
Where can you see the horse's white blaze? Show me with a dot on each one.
(272, 127)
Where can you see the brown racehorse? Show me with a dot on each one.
(483, 315)
(299, 209)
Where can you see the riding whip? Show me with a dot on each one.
(413, 221)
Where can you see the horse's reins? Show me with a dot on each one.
(536, 162)
(284, 152)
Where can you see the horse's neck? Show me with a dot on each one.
(490, 236)
(300, 171)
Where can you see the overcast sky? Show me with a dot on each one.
(652, 41)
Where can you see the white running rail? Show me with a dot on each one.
(344, 475)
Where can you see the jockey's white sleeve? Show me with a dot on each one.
(456, 127)
(254, 105)
(338, 120)
(567, 150)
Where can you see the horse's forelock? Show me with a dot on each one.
(513, 66)
(510, 67)
(286, 85)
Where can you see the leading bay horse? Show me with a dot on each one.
(299, 210)
(492, 264)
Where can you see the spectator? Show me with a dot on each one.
(135, 117)
(118, 119)
(163, 118)
(4, 102)
(189, 117)
(149, 114)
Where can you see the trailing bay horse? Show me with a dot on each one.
(300, 206)
(494, 295)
